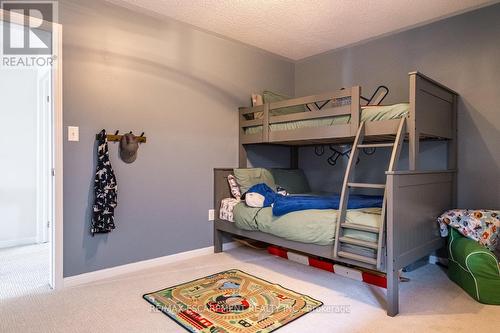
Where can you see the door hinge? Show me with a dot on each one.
(48, 224)
(53, 172)
(48, 99)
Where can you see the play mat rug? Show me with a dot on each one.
(231, 301)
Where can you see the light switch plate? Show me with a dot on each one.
(211, 214)
(73, 133)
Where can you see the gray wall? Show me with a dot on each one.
(463, 53)
(371, 168)
(132, 72)
(129, 71)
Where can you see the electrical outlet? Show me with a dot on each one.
(211, 214)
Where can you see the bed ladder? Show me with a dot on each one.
(353, 258)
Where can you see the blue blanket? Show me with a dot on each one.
(286, 204)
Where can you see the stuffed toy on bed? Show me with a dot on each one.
(260, 195)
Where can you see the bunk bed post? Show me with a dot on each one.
(221, 191)
(265, 123)
(392, 289)
(414, 134)
(355, 109)
(452, 149)
(218, 240)
(392, 270)
(242, 153)
(242, 156)
(294, 157)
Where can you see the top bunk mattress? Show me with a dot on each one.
(368, 113)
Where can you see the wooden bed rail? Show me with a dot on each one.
(261, 115)
(310, 99)
(336, 111)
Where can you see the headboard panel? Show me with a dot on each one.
(221, 187)
(434, 107)
(433, 112)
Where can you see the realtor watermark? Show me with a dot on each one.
(28, 34)
(268, 308)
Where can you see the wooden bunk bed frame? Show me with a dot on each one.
(414, 198)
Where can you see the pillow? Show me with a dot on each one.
(294, 181)
(246, 178)
(233, 186)
(481, 225)
(226, 209)
(270, 97)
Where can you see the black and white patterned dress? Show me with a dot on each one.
(105, 190)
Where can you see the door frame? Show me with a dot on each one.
(45, 163)
(56, 274)
(57, 226)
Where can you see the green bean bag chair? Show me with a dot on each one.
(474, 268)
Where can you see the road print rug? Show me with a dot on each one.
(231, 301)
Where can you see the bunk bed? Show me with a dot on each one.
(413, 198)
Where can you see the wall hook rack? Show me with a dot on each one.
(117, 137)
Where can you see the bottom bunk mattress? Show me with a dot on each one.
(313, 226)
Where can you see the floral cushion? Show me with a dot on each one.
(233, 185)
(483, 226)
(226, 209)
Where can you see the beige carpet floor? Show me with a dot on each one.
(24, 270)
(429, 303)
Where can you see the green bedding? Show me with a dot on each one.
(307, 226)
(370, 113)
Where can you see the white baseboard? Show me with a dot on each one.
(106, 273)
(17, 242)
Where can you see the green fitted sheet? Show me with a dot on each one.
(371, 113)
(307, 226)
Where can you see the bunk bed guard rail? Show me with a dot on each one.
(343, 103)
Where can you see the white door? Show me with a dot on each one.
(48, 147)
(45, 182)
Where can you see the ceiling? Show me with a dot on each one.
(297, 29)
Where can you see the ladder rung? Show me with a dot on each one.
(360, 227)
(353, 241)
(356, 257)
(376, 145)
(366, 185)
